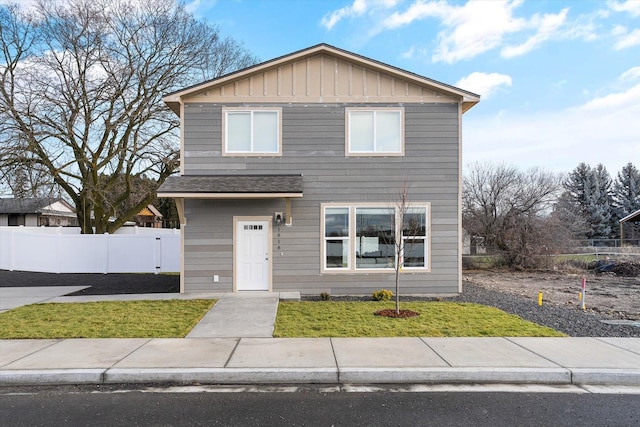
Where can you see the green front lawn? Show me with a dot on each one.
(175, 318)
(437, 319)
(107, 319)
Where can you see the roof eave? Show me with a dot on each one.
(468, 104)
(630, 216)
(229, 196)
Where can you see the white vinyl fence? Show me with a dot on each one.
(65, 250)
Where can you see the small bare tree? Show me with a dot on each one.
(81, 95)
(410, 226)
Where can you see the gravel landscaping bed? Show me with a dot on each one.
(568, 319)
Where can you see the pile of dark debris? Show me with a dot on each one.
(621, 269)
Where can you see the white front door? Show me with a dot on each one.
(253, 255)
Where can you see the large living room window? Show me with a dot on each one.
(365, 237)
(375, 237)
(375, 131)
(254, 131)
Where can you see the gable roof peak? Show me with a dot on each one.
(468, 99)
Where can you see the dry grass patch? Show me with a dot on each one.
(437, 319)
(107, 319)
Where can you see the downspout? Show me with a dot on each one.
(460, 112)
(180, 201)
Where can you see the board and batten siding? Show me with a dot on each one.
(313, 139)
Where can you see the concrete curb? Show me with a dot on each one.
(224, 375)
(345, 376)
(51, 377)
(606, 376)
(455, 375)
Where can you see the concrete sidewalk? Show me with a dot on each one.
(252, 357)
(558, 361)
(11, 298)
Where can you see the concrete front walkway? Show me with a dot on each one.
(239, 315)
(558, 361)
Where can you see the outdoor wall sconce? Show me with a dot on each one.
(278, 218)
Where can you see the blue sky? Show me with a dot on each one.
(560, 80)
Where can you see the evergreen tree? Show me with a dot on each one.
(589, 190)
(576, 184)
(626, 192)
(601, 202)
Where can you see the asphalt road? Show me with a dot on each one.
(100, 284)
(316, 408)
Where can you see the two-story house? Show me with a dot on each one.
(292, 169)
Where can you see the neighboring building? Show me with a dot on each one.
(630, 229)
(36, 212)
(149, 217)
(290, 170)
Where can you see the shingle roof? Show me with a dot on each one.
(232, 184)
(26, 205)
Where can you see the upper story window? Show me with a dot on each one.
(254, 131)
(378, 131)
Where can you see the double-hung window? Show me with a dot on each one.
(252, 132)
(369, 237)
(414, 237)
(375, 131)
(336, 237)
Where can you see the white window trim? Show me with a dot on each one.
(347, 148)
(351, 269)
(227, 152)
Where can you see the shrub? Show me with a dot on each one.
(324, 296)
(382, 295)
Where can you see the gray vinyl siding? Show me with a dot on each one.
(313, 138)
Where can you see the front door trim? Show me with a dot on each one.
(236, 219)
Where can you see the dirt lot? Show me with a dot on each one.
(607, 294)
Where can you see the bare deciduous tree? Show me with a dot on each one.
(509, 208)
(411, 226)
(81, 95)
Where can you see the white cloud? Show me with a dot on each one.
(628, 40)
(630, 6)
(470, 29)
(413, 53)
(408, 54)
(192, 6)
(418, 10)
(631, 74)
(615, 100)
(477, 27)
(484, 84)
(547, 26)
(357, 8)
(619, 30)
(602, 130)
